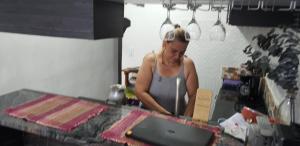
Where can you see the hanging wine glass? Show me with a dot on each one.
(193, 27)
(218, 31)
(167, 25)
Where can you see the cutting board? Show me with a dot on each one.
(202, 105)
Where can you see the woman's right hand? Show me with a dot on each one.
(165, 112)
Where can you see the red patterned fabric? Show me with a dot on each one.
(117, 131)
(61, 112)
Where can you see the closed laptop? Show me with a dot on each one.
(162, 132)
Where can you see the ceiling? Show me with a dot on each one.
(254, 2)
(144, 1)
(160, 1)
(147, 1)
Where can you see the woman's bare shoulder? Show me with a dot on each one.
(188, 62)
(149, 58)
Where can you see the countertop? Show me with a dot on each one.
(85, 134)
(224, 105)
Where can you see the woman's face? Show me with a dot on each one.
(174, 51)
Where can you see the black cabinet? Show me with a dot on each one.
(245, 17)
(266, 13)
(10, 137)
(89, 19)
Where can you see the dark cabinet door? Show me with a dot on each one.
(90, 19)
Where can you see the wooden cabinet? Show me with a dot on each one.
(89, 19)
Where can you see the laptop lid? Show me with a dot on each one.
(158, 131)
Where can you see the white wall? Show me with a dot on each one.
(74, 67)
(209, 56)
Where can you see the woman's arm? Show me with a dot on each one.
(143, 81)
(192, 86)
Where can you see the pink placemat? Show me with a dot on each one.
(61, 112)
(117, 131)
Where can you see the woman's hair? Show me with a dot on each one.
(178, 34)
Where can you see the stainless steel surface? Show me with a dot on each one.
(177, 95)
(117, 94)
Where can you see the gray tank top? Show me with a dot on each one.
(163, 90)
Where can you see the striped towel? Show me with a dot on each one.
(61, 112)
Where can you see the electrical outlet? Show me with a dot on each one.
(131, 52)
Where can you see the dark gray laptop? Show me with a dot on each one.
(162, 132)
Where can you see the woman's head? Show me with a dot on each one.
(175, 44)
(178, 34)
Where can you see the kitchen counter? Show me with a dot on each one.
(85, 134)
(227, 104)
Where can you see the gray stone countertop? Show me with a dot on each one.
(86, 134)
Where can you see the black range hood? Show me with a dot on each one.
(254, 13)
(88, 19)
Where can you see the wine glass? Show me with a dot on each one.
(167, 25)
(193, 28)
(218, 31)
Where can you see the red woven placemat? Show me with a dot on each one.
(61, 112)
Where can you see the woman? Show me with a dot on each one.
(156, 79)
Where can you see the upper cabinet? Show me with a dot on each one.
(264, 13)
(88, 19)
